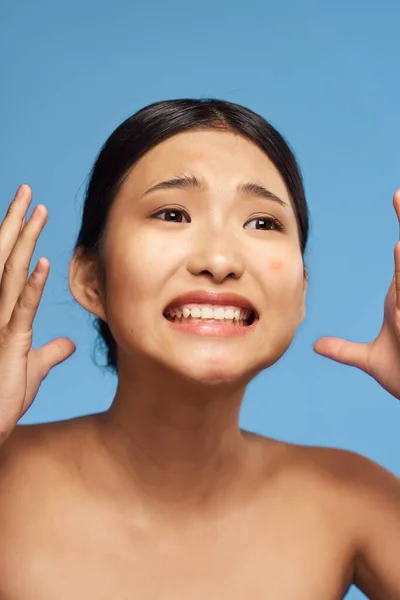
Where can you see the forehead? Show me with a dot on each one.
(221, 157)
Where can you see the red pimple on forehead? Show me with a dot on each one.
(197, 154)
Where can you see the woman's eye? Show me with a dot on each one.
(173, 215)
(176, 215)
(266, 224)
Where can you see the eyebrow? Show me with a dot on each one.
(185, 182)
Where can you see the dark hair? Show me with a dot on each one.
(148, 127)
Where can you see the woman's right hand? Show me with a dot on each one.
(22, 368)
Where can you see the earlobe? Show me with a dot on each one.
(84, 283)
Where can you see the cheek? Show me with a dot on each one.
(287, 276)
(276, 267)
(127, 269)
(140, 264)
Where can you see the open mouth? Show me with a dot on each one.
(253, 317)
(217, 315)
(211, 312)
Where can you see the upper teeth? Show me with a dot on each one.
(209, 312)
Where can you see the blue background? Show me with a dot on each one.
(325, 74)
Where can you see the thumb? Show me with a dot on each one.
(342, 351)
(55, 352)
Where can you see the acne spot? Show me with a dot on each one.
(197, 154)
(276, 266)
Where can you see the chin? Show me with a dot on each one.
(214, 372)
(215, 378)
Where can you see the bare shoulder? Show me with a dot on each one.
(341, 483)
(350, 487)
(335, 469)
(45, 440)
(368, 495)
(23, 452)
(349, 474)
(347, 479)
(39, 479)
(363, 499)
(34, 457)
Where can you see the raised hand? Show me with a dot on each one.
(380, 358)
(22, 368)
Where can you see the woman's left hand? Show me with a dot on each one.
(380, 358)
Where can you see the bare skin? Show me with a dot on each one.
(163, 495)
(73, 528)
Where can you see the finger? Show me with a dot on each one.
(25, 309)
(16, 268)
(397, 273)
(54, 353)
(396, 203)
(342, 351)
(12, 223)
(43, 360)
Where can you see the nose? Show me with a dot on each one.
(216, 255)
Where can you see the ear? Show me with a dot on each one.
(85, 283)
(303, 304)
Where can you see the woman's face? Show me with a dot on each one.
(164, 243)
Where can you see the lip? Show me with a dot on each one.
(212, 297)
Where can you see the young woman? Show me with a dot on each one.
(190, 256)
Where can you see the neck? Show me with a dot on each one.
(178, 442)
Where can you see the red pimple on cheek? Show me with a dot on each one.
(276, 266)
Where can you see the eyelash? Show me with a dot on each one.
(278, 226)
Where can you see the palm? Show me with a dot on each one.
(380, 358)
(384, 351)
(22, 367)
(34, 377)
(25, 374)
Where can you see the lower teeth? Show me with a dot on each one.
(227, 321)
